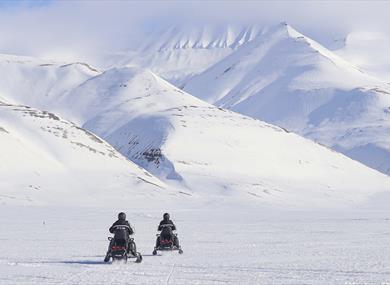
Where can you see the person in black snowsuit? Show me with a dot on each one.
(166, 227)
(122, 230)
(121, 222)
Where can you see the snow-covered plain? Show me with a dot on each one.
(223, 244)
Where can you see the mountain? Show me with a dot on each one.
(189, 144)
(287, 79)
(177, 53)
(39, 83)
(369, 51)
(47, 160)
(211, 151)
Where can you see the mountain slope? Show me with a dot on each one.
(287, 79)
(194, 145)
(45, 159)
(39, 83)
(178, 53)
(212, 151)
(369, 51)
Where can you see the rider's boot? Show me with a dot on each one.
(108, 254)
(107, 258)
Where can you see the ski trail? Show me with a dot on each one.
(170, 274)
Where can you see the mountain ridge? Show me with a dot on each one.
(289, 80)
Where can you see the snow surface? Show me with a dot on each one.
(211, 151)
(254, 203)
(287, 79)
(196, 148)
(369, 51)
(39, 83)
(45, 159)
(222, 245)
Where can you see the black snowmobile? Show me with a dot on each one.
(122, 246)
(167, 240)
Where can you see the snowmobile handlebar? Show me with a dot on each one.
(166, 225)
(174, 233)
(111, 238)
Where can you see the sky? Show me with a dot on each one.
(76, 30)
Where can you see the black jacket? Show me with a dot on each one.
(166, 222)
(121, 223)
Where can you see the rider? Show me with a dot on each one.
(166, 227)
(122, 223)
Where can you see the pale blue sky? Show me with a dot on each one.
(21, 4)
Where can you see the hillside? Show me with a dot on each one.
(287, 79)
(47, 160)
(212, 151)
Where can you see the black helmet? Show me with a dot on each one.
(121, 216)
(166, 216)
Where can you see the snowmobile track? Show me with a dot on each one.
(170, 274)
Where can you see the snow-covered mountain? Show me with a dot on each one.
(39, 83)
(47, 160)
(369, 51)
(287, 79)
(193, 145)
(211, 151)
(178, 53)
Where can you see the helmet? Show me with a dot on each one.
(166, 216)
(121, 216)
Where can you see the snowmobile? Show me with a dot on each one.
(166, 240)
(122, 247)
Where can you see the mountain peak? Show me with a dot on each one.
(282, 29)
(201, 37)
